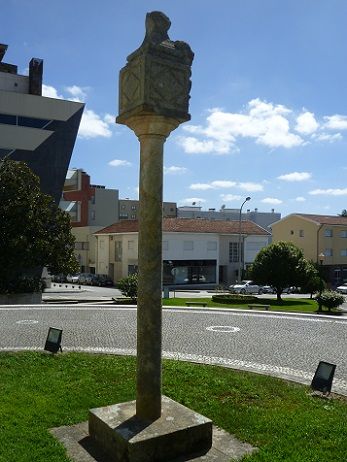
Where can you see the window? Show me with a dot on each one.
(328, 252)
(93, 214)
(211, 245)
(188, 245)
(343, 233)
(133, 217)
(291, 231)
(344, 253)
(165, 245)
(301, 233)
(118, 251)
(233, 252)
(123, 216)
(133, 207)
(81, 245)
(130, 245)
(328, 233)
(122, 206)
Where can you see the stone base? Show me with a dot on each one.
(125, 438)
(81, 448)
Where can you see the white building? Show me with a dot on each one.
(195, 251)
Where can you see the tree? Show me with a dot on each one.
(343, 213)
(312, 281)
(280, 265)
(34, 232)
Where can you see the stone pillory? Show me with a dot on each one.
(156, 78)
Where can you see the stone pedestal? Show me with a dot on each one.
(125, 438)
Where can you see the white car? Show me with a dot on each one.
(342, 289)
(72, 278)
(245, 287)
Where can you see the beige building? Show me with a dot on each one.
(316, 235)
(195, 251)
(129, 209)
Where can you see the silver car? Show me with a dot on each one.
(342, 289)
(245, 287)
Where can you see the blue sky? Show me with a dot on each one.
(268, 100)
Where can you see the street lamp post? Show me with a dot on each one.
(321, 257)
(240, 234)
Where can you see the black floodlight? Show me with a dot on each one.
(53, 342)
(323, 377)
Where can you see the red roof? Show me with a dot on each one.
(190, 225)
(324, 219)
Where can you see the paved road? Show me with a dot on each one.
(283, 345)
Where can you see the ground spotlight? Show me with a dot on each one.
(323, 377)
(53, 341)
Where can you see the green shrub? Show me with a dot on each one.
(128, 286)
(330, 299)
(234, 298)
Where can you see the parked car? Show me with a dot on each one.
(267, 290)
(82, 278)
(73, 278)
(101, 280)
(342, 289)
(58, 278)
(245, 287)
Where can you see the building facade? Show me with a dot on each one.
(37, 130)
(318, 235)
(91, 207)
(196, 252)
(129, 209)
(264, 219)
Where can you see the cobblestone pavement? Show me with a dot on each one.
(284, 345)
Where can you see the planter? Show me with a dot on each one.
(34, 298)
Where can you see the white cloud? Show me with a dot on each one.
(110, 119)
(192, 145)
(271, 200)
(265, 122)
(192, 201)
(200, 186)
(250, 187)
(50, 92)
(221, 184)
(92, 126)
(295, 176)
(329, 192)
(269, 124)
(330, 138)
(119, 163)
(300, 199)
(78, 94)
(174, 170)
(336, 122)
(230, 197)
(306, 123)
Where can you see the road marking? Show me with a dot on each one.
(223, 329)
(27, 321)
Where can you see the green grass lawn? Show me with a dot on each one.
(39, 391)
(304, 305)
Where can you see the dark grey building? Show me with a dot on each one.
(38, 130)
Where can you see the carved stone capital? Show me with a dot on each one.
(152, 125)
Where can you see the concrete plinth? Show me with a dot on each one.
(125, 438)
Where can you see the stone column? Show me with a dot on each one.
(152, 131)
(153, 100)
